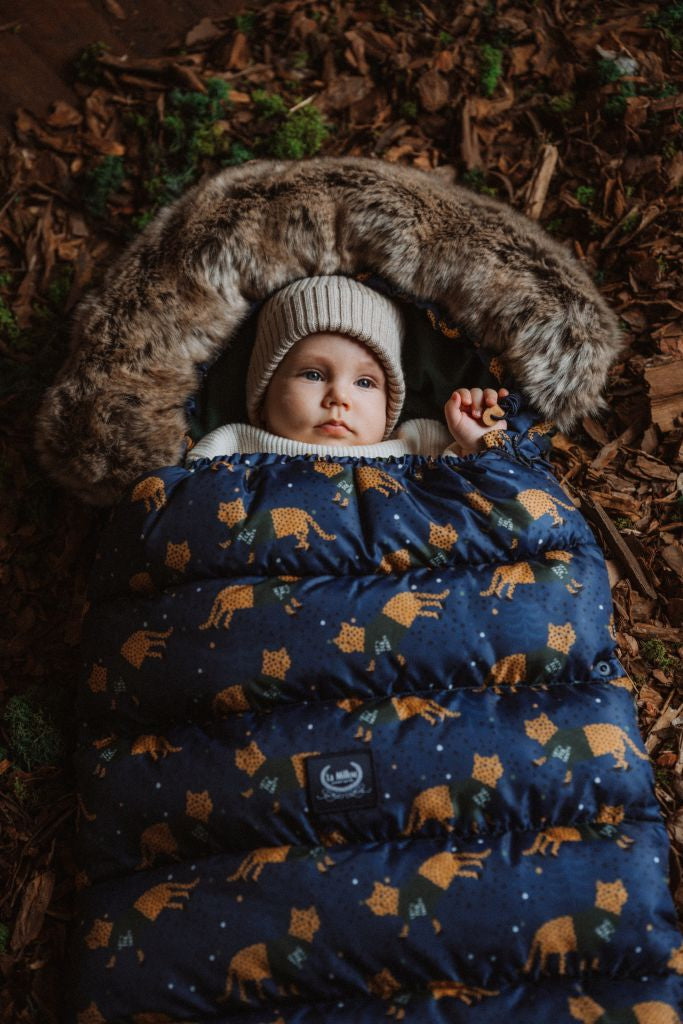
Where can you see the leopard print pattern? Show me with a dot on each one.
(509, 576)
(166, 896)
(295, 522)
(276, 664)
(97, 680)
(144, 643)
(198, 805)
(177, 556)
(442, 536)
(238, 597)
(538, 503)
(410, 605)
(249, 759)
(487, 769)
(442, 868)
(371, 478)
(151, 490)
(561, 638)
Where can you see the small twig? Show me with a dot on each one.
(617, 545)
(302, 103)
(540, 181)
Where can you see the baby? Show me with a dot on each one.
(325, 378)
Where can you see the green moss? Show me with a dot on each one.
(631, 223)
(408, 109)
(268, 104)
(670, 21)
(189, 133)
(657, 653)
(563, 103)
(4, 937)
(245, 22)
(300, 135)
(623, 523)
(615, 105)
(238, 154)
(300, 59)
(555, 225)
(102, 182)
(608, 71)
(475, 180)
(85, 66)
(585, 194)
(60, 285)
(34, 730)
(445, 38)
(9, 329)
(490, 68)
(670, 16)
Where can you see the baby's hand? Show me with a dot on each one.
(464, 411)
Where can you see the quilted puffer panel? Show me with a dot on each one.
(355, 745)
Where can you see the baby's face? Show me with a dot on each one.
(329, 389)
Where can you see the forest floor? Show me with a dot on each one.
(571, 112)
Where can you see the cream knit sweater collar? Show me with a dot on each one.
(415, 437)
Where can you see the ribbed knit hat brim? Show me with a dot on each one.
(334, 303)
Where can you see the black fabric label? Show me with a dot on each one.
(341, 782)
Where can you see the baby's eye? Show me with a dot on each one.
(366, 382)
(312, 375)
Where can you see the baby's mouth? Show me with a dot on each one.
(334, 427)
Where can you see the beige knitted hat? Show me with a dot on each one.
(333, 303)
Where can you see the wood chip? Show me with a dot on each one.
(469, 145)
(205, 31)
(432, 88)
(35, 901)
(239, 54)
(669, 633)
(115, 9)
(673, 556)
(661, 725)
(618, 546)
(665, 381)
(344, 91)
(540, 181)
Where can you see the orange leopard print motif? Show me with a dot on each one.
(151, 490)
(561, 936)
(420, 896)
(144, 643)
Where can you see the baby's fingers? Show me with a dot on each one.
(491, 396)
(477, 398)
(465, 396)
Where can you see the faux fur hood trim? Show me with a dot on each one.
(181, 290)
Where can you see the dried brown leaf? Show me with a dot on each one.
(432, 89)
(205, 31)
(115, 9)
(344, 91)
(239, 55)
(520, 58)
(63, 115)
(35, 901)
(673, 556)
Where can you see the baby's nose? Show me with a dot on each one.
(337, 394)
